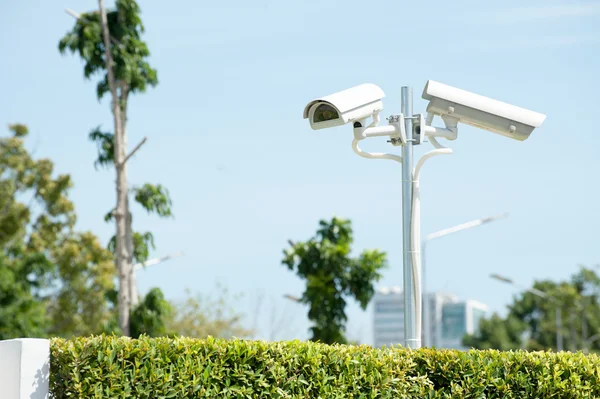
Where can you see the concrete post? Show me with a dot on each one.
(24, 368)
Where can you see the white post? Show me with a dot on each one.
(410, 302)
(24, 368)
(426, 333)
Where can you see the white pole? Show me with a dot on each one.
(412, 340)
(426, 336)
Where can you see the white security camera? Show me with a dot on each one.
(481, 112)
(346, 106)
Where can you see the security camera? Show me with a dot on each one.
(350, 105)
(481, 112)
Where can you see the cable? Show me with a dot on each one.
(374, 155)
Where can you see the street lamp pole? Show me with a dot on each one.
(432, 236)
(589, 341)
(156, 261)
(143, 265)
(541, 294)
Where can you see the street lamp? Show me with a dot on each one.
(587, 343)
(139, 266)
(541, 294)
(361, 105)
(438, 234)
(156, 261)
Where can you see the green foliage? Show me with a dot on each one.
(497, 333)
(53, 280)
(22, 313)
(531, 320)
(518, 374)
(331, 274)
(200, 317)
(110, 367)
(88, 271)
(129, 51)
(149, 316)
(141, 246)
(106, 147)
(154, 198)
(19, 130)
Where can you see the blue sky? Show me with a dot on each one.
(246, 172)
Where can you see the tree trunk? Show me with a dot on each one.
(132, 280)
(573, 343)
(132, 287)
(121, 210)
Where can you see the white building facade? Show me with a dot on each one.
(432, 323)
(388, 317)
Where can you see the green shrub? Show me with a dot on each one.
(111, 367)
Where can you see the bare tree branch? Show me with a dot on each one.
(137, 147)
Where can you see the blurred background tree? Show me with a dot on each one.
(332, 275)
(150, 316)
(130, 73)
(53, 279)
(200, 316)
(56, 281)
(531, 320)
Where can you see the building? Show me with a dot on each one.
(388, 317)
(445, 321)
(433, 308)
(459, 319)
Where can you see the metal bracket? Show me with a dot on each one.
(400, 138)
(418, 132)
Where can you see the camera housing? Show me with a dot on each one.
(350, 105)
(481, 112)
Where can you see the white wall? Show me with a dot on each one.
(24, 368)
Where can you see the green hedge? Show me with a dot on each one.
(111, 367)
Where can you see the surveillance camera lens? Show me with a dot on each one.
(325, 112)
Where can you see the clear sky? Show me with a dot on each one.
(247, 173)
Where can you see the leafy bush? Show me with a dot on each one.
(111, 367)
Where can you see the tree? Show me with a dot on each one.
(53, 280)
(531, 320)
(201, 316)
(110, 44)
(497, 333)
(86, 273)
(331, 275)
(150, 315)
